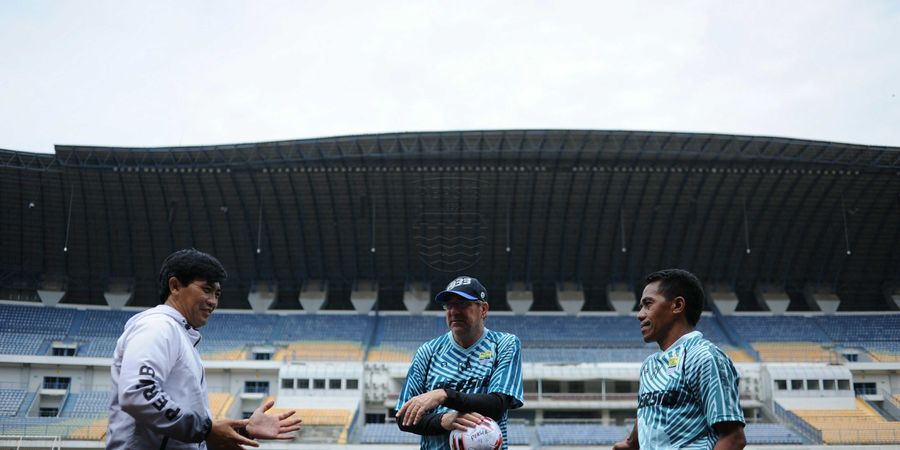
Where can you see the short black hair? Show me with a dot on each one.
(188, 265)
(680, 283)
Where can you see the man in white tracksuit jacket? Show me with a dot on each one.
(159, 389)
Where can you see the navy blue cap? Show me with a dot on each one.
(468, 288)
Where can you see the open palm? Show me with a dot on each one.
(264, 426)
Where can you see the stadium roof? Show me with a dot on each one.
(586, 208)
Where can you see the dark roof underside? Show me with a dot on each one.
(590, 208)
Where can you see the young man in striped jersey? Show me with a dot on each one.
(688, 397)
(463, 375)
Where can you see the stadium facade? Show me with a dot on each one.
(335, 246)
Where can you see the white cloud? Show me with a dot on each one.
(177, 73)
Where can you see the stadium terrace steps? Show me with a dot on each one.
(737, 354)
(86, 404)
(581, 434)
(592, 434)
(36, 319)
(68, 428)
(320, 351)
(26, 404)
(29, 330)
(386, 433)
(770, 434)
(10, 401)
(770, 328)
(94, 431)
(862, 425)
(793, 352)
(220, 403)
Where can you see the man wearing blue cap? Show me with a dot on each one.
(458, 378)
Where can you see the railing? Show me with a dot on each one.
(864, 436)
(891, 405)
(52, 442)
(34, 431)
(352, 426)
(805, 429)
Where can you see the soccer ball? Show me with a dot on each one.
(484, 436)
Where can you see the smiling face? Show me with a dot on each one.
(196, 301)
(658, 315)
(465, 318)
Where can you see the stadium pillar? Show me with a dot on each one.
(570, 296)
(312, 296)
(724, 298)
(893, 293)
(51, 291)
(416, 297)
(50, 297)
(364, 295)
(773, 297)
(825, 299)
(519, 297)
(116, 300)
(622, 299)
(262, 296)
(118, 292)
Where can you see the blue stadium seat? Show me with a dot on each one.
(777, 328)
(386, 433)
(581, 434)
(10, 401)
(770, 434)
(86, 404)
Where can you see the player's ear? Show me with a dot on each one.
(679, 305)
(174, 285)
(484, 309)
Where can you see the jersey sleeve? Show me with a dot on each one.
(717, 384)
(507, 376)
(146, 364)
(415, 377)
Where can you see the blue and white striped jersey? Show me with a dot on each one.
(684, 391)
(493, 364)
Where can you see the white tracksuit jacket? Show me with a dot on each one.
(160, 399)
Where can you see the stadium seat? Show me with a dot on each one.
(862, 425)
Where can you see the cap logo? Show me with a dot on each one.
(461, 281)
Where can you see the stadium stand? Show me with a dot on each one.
(517, 433)
(862, 425)
(770, 434)
(70, 428)
(10, 401)
(771, 328)
(386, 433)
(21, 344)
(86, 404)
(793, 351)
(220, 403)
(320, 351)
(569, 189)
(581, 434)
(344, 337)
(28, 320)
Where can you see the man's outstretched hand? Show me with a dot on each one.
(264, 426)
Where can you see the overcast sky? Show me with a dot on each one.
(161, 73)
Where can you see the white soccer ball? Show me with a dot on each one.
(484, 436)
